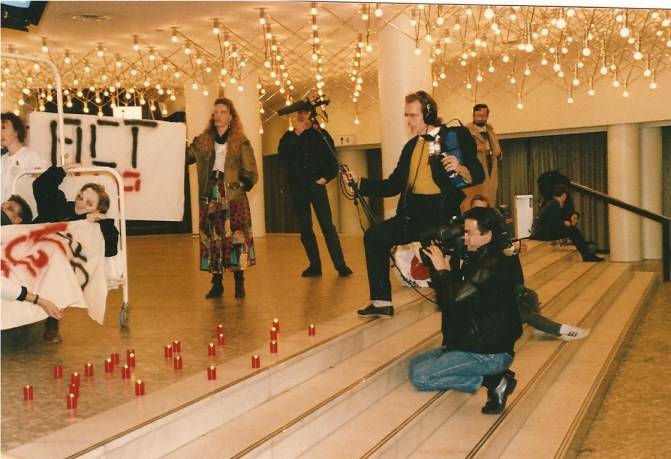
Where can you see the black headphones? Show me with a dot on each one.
(429, 113)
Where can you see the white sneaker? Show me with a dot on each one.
(571, 333)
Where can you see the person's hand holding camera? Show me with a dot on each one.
(437, 257)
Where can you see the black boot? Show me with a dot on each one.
(217, 289)
(239, 284)
(499, 386)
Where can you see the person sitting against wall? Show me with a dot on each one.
(550, 226)
(92, 203)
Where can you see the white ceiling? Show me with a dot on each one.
(339, 26)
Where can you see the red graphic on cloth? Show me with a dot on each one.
(39, 259)
(136, 185)
(418, 270)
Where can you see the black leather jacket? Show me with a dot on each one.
(478, 303)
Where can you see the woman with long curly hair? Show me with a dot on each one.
(226, 172)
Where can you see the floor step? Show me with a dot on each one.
(304, 415)
(554, 428)
(536, 365)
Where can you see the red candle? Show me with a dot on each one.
(276, 324)
(115, 358)
(256, 361)
(311, 330)
(130, 358)
(211, 373)
(125, 372)
(73, 389)
(139, 387)
(177, 363)
(75, 378)
(273, 333)
(220, 328)
(177, 346)
(220, 339)
(109, 366)
(88, 369)
(71, 401)
(129, 352)
(211, 349)
(28, 393)
(167, 351)
(273, 347)
(58, 371)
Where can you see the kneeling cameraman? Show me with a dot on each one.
(480, 318)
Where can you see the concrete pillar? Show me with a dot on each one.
(651, 190)
(624, 183)
(400, 72)
(198, 109)
(349, 219)
(247, 104)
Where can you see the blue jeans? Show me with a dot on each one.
(442, 370)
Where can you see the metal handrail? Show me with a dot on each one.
(664, 220)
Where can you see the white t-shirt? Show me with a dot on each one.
(26, 159)
(219, 156)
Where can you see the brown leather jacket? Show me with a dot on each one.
(239, 167)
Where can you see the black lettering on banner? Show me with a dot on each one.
(93, 140)
(78, 266)
(78, 154)
(75, 247)
(135, 131)
(54, 142)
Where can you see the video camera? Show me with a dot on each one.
(448, 238)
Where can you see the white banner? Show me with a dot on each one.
(63, 262)
(149, 156)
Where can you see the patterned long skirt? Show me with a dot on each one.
(226, 242)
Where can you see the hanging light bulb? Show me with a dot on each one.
(378, 11)
(45, 48)
(136, 45)
(174, 35)
(215, 27)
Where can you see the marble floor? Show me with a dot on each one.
(167, 303)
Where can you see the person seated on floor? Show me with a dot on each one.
(527, 299)
(92, 203)
(480, 318)
(550, 226)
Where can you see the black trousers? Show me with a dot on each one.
(420, 214)
(305, 195)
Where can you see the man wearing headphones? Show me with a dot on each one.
(429, 198)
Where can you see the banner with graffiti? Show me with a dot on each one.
(149, 156)
(63, 262)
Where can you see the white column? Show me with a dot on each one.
(247, 104)
(198, 108)
(651, 190)
(349, 220)
(400, 72)
(624, 183)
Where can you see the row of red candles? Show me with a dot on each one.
(75, 378)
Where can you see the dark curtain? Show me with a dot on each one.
(581, 157)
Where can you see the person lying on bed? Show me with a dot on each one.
(92, 203)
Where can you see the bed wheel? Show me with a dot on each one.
(124, 315)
